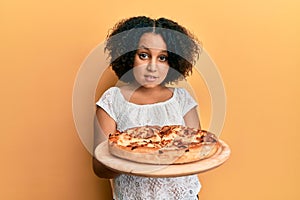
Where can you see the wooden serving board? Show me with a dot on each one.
(149, 170)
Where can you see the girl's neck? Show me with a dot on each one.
(141, 95)
(135, 87)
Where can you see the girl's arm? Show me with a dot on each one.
(106, 125)
(191, 119)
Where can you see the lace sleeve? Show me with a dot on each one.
(186, 101)
(106, 102)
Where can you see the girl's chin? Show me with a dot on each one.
(147, 84)
(150, 85)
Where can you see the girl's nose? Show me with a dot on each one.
(152, 66)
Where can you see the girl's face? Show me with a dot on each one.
(151, 61)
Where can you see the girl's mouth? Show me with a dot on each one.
(150, 78)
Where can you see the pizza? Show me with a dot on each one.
(174, 144)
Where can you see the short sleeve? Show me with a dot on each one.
(186, 101)
(106, 102)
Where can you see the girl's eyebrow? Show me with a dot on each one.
(148, 49)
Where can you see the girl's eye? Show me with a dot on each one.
(163, 58)
(143, 56)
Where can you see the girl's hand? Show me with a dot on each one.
(103, 172)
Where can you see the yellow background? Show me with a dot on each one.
(255, 45)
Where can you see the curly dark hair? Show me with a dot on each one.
(122, 43)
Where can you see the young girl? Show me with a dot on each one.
(147, 54)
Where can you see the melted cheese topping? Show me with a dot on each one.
(126, 140)
(179, 136)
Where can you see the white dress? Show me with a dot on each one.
(127, 115)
